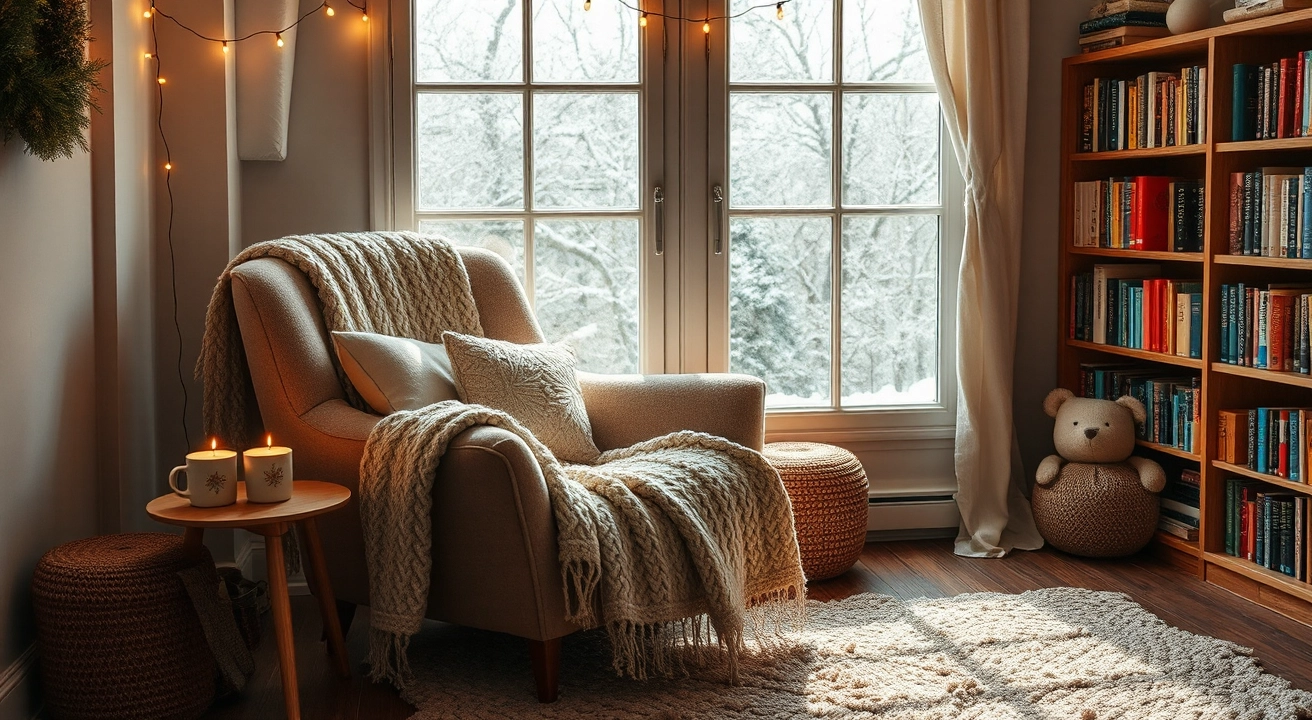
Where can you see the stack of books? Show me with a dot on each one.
(1180, 506)
(1266, 527)
(1123, 22)
(1172, 404)
(1267, 329)
(1146, 212)
(1126, 305)
(1153, 110)
(1268, 212)
(1271, 441)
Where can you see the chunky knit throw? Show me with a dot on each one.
(672, 544)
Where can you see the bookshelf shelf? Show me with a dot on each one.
(1285, 378)
(1266, 262)
(1178, 543)
(1169, 450)
(1197, 149)
(1295, 143)
(1297, 487)
(1144, 255)
(1253, 571)
(1156, 357)
(1219, 49)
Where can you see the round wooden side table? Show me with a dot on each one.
(310, 498)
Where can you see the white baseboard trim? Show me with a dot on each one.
(911, 515)
(251, 561)
(18, 695)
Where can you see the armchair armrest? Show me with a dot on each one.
(625, 409)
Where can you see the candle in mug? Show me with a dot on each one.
(211, 477)
(268, 473)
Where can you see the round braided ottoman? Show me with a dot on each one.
(117, 635)
(1096, 510)
(828, 489)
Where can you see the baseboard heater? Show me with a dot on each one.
(897, 517)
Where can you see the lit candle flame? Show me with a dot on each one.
(269, 440)
(214, 444)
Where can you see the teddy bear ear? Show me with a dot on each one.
(1134, 406)
(1055, 399)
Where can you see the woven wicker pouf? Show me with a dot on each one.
(117, 635)
(828, 489)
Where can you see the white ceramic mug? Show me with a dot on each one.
(211, 478)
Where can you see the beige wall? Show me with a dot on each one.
(47, 427)
(1053, 33)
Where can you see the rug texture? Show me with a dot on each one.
(1054, 653)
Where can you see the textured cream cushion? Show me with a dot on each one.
(535, 384)
(395, 373)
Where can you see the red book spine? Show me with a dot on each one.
(1289, 310)
(1167, 317)
(1298, 94)
(1149, 211)
(1246, 527)
(1282, 454)
(1285, 120)
(1275, 335)
(1150, 315)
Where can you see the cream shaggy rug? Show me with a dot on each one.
(1057, 653)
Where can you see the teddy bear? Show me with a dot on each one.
(1095, 497)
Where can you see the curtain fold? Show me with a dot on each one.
(979, 54)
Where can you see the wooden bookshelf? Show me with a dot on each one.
(1223, 386)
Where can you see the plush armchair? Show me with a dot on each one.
(495, 559)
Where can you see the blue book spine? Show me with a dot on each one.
(1235, 296)
(1195, 325)
(1305, 242)
(1259, 523)
(1261, 440)
(1241, 116)
(1295, 437)
(1290, 230)
(1225, 323)
(1136, 336)
(1270, 536)
(1241, 324)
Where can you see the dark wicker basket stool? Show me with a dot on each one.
(828, 489)
(117, 633)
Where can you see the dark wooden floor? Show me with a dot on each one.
(902, 569)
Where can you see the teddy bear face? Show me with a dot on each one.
(1094, 431)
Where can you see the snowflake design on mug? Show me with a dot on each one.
(273, 476)
(216, 482)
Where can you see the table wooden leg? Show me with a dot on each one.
(323, 590)
(193, 537)
(282, 620)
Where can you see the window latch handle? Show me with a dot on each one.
(658, 197)
(717, 196)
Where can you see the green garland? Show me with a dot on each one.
(46, 80)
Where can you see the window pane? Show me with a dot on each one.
(469, 42)
(780, 149)
(503, 237)
(585, 150)
(471, 151)
(574, 45)
(779, 306)
(883, 42)
(799, 48)
(890, 310)
(890, 149)
(585, 287)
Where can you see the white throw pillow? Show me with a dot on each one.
(536, 384)
(395, 373)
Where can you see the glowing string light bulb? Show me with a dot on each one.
(161, 80)
(364, 16)
(779, 11)
(279, 36)
(225, 47)
(149, 56)
(706, 27)
(328, 10)
(168, 166)
(149, 12)
(642, 20)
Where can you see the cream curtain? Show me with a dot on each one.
(979, 53)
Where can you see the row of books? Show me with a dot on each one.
(1117, 23)
(1266, 527)
(1267, 329)
(1146, 212)
(1156, 109)
(1180, 505)
(1272, 441)
(1268, 209)
(1125, 305)
(1272, 100)
(1172, 404)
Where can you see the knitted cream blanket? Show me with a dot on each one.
(671, 544)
